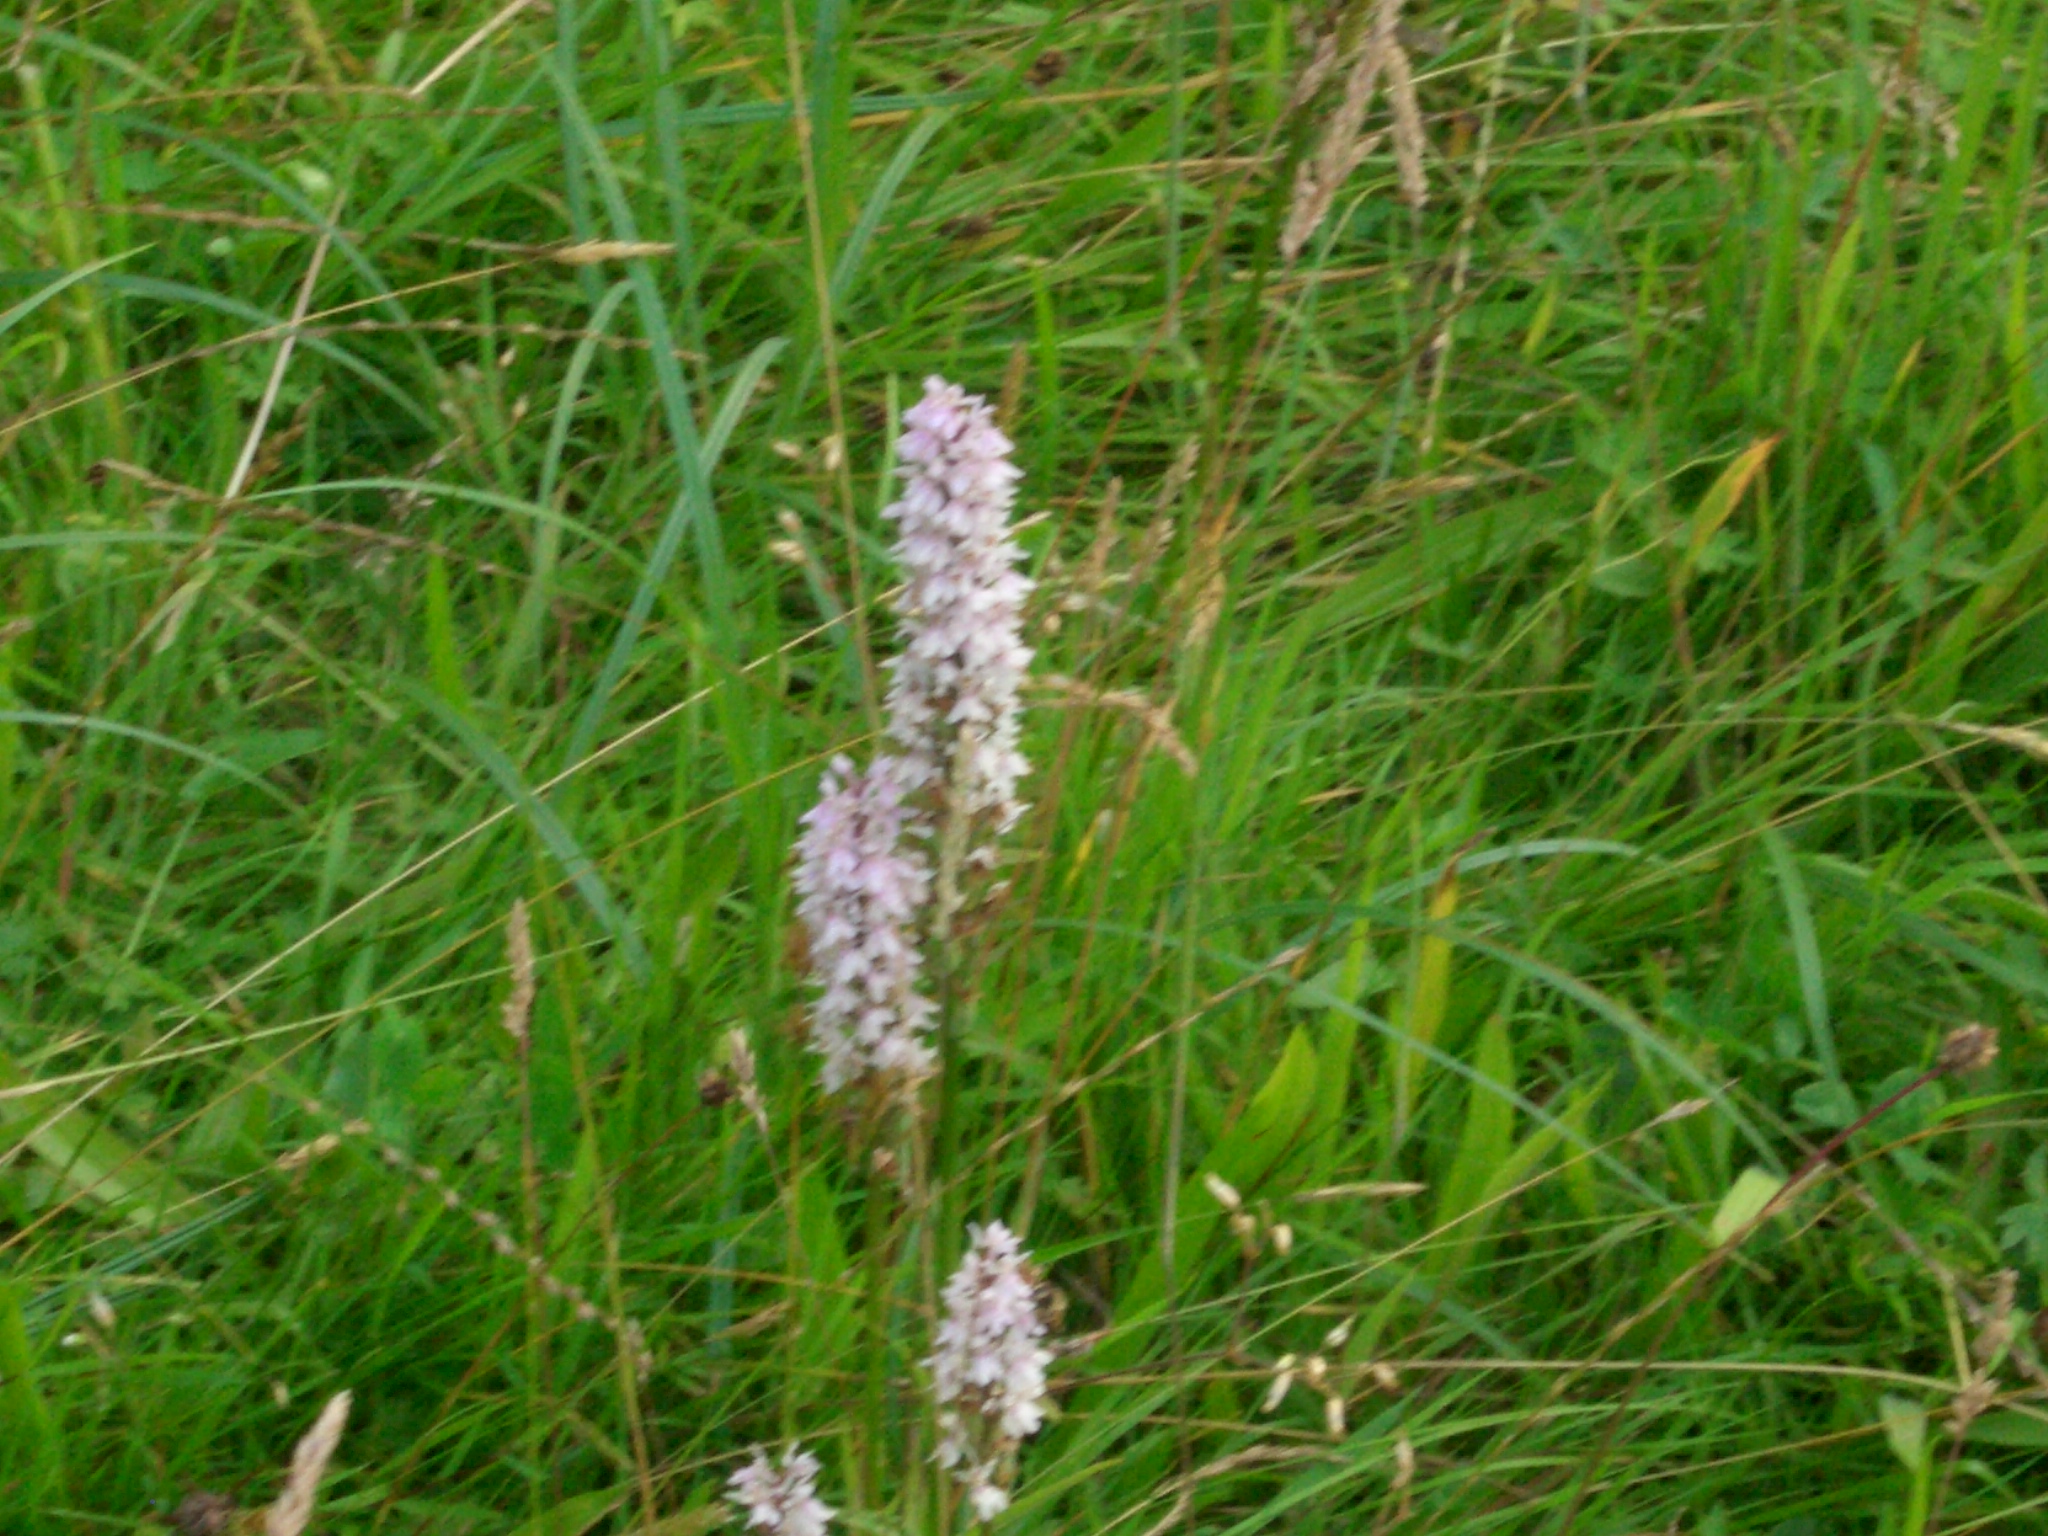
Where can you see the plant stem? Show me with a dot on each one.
(875, 1260)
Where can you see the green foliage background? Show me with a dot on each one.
(1531, 662)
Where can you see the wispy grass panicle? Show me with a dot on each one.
(862, 883)
(782, 1499)
(954, 690)
(988, 1366)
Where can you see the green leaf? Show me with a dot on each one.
(1905, 1429)
(1821, 324)
(1421, 1016)
(2022, 1431)
(541, 816)
(14, 314)
(1457, 1248)
(1489, 1130)
(1110, 173)
(1826, 1102)
(30, 1447)
(2026, 1227)
(572, 1517)
(91, 1161)
(211, 760)
(443, 661)
(1753, 1190)
(827, 1318)
(1272, 1125)
(398, 1055)
(847, 268)
(1813, 991)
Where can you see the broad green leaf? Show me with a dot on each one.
(1752, 1191)
(1273, 1124)
(1905, 1429)
(1462, 1244)
(1339, 1042)
(1821, 324)
(691, 1522)
(30, 1446)
(444, 662)
(90, 1161)
(1488, 1134)
(1421, 1016)
(2009, 1426)
(1720, 502)
(1826, 1102)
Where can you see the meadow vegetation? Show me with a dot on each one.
(1535, 731)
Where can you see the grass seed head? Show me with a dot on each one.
(1282, 1384)
(294, 1507)
(1344, 142)
(1225, 1193)
(519, 954)
(1969, 1049)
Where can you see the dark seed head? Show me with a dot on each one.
(1047, 67)
(203, 1514)
(1969, 1049)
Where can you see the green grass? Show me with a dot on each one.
(1584, 601)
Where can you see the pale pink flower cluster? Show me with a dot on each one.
(862, 882)
(953, 706)
(784, 1499)
(988, 1366)
(955, 687)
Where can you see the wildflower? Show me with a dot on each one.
(781, 1499)
(861, 883)
(988, 1366)
(953, 693)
